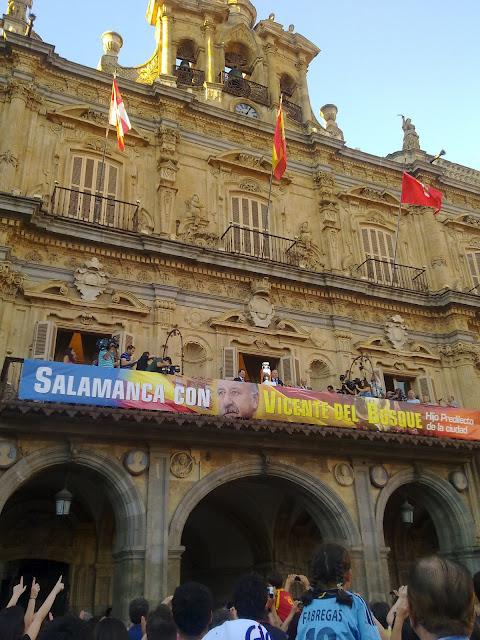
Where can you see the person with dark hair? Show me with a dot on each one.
(219, 616)
(143, 361)
(250, 596)
(328, 607)
(65, 628)
(192, 606)
(253, 601)
(380, 612)
(12, 625)
(110, 629)
(282, 599)
(440, 599)
(70, 356)
(158, 628)
(137, 610)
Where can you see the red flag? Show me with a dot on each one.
(118, 116)
(279, 150)
(415, 192)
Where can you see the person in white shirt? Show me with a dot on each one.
(411, 397)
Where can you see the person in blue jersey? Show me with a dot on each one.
(331, 612)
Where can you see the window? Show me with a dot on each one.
(94, 187)
(251, 216)
(378, 246)
(473, 260)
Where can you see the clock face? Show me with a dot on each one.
(246, 110)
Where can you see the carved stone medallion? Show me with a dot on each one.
(378, 476)
(181, 464)
(136, 461)
(91, 279)
(344, 474)
(396, 332)
(459, 480)
(8, 454)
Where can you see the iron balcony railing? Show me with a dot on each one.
(236, 85)
(89, 207)
(259, 244)
(188, 76)
(394, 275)
(293, 111)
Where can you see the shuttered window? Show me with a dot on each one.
(95, 187)
(378, 245)
(473, 261)
(251, 216)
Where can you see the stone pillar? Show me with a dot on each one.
(156, 548)
(167, 166)
(174, 567)
(166, 50)
(273, 81)
(208, 34)
(462, 359)
(375, 580)
(128, 579)
(302, 89)
(436, 249)
(11, 144)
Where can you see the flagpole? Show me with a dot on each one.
(102, 166)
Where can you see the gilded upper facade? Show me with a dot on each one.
(177, 230)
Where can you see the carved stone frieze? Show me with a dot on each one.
(11, 281)
(305, 253)
(194, 226)
(461, 351)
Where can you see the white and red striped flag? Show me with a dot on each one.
(118, 116)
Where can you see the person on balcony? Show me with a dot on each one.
(276, 382)
(241, 376)
(411, 397)
(126, 358)
(70, 356)
(108, 357)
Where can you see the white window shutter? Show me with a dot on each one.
(298, 375)
(44, 340)
(287, 371)
(230, 363)
(124, 339)
(425, 388)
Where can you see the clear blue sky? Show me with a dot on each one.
(378, 58)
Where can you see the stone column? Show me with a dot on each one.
(302, 89)
(11, 144)
(167, 166)
(156, 548)
(213, 86)
(375, 580)
(174, 567)
(128, 579)
(273, 80)
(462, 359)
(166, 49)
(436, 250)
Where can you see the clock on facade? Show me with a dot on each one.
(246, 110)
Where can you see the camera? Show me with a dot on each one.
(271, 592)
(169, 370)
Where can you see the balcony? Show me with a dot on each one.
(259, 244)
(399, 275)
(91, 208)
(189, 77)
(236, 85)
(293, 111)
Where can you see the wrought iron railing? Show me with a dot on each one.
(293, 111)
(10, 378)
(236, 85)
(394, 275)
(89, 207)
(259, 244)
(188, 76)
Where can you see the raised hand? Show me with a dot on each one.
(59, 586)
(35, 588)
(19, 588)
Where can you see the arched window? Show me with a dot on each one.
(250, 217)
(95, 186)
(287, 85)
(319, 375)
(473, 261)
(378, 247)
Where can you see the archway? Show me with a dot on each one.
(442, 522)
(106, 505)
(255, 516)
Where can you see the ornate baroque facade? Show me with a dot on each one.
(176, 232)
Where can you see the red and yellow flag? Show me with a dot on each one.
(279, 150)
(118, 116)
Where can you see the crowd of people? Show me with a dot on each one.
(438, 603)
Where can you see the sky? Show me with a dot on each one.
(378, 59)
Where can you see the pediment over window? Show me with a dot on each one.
(85, 114)
(371, 194)
(380, 345)
(237, 321)
(252, 163)
(128, 302)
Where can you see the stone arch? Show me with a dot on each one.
(453, 521)
(320, 373)
(195, 357)
(127, 503)
(322, 499)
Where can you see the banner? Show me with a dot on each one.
(126, 388)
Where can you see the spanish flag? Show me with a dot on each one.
(118, 116)
(279, 150)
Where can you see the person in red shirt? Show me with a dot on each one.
(283, 599)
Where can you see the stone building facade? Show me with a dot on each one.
(176, 232)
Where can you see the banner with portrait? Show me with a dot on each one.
(125, 388)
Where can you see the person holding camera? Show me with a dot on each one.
(107, 357)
